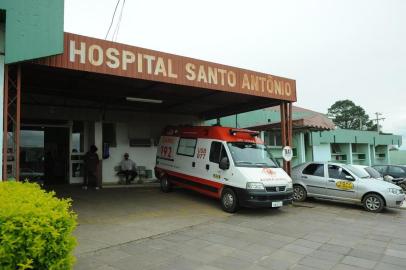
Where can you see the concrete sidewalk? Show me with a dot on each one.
(109, 217)
(313, 235)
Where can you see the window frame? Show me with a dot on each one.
(222, 149)
(320, 164)
(194, 149)
(114, 125)
(348, 172)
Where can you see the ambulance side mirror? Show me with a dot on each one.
(224, 163)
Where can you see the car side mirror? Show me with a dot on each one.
(224, 163)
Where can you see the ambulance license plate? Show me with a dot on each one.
(277, 204)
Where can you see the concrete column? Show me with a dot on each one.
(301, 148)
(262, 135)
(350, 161)
(369, 157)
(2, 53)
(387, 154)
(98, 141)
(373, 157)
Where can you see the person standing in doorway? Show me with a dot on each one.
(91, 162)
(128, 169)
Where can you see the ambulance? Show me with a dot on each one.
(229, 164)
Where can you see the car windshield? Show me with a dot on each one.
(358, 172)
(372, 172)
(251, 155)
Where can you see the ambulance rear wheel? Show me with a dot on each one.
(229, 200)
(166, 186)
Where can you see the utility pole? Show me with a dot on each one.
(377, 119)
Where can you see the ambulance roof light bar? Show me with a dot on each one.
(253, 133)
(144, 100)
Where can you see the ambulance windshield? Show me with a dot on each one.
(251, 155)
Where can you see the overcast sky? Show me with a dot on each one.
(334, 49)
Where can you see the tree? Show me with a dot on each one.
(347, 115)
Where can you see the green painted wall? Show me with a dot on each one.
(34, 28)
(398, 157)
(355, 136)
(255, 118)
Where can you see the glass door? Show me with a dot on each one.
(77, 152)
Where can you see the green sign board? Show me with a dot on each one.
(34, 29)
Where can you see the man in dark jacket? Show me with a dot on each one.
(91, 161)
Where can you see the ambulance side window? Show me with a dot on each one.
(217, 152)
(187, 147)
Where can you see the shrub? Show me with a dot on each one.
(35, 228)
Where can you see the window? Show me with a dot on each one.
(314, 169)
(380, 169)
(187, 147)
(247, 154)
(396, 170)
(78, 137)
(273, 138)
(109, 134)
(337, 172)
(217, 152)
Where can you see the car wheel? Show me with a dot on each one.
(166, 186)
(299, 193)
(373, 203)
(229, 200)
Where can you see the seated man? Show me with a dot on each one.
(128, 169)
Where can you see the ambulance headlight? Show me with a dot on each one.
(255, 185)
(289, 185)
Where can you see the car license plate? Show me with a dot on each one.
(277, 204)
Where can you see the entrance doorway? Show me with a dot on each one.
(44, 154)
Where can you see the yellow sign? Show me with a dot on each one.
(345, 185)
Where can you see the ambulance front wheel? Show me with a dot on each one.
(229, 200)
(166, 186)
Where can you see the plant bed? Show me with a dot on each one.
(35, 228)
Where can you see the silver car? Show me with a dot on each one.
(345, 183)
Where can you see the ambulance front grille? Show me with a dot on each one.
(275, 189)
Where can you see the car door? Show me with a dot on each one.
(341, 184)
(217, 152)
(313, 176)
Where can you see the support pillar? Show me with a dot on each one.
(2, 55)
(11, 122)
(98, 141)
(286, 131)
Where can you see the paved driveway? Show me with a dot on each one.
(312, 235)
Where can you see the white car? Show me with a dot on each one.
(345, 183)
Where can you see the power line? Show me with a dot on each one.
(115, 34)
(112, 19)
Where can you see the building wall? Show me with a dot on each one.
(127, 125)
(321, 152)
(398, 157)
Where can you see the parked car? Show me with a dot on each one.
(370, 171)
(344, 183)
(230, 164)
(396, 171)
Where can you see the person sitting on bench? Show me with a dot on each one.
(128, 169)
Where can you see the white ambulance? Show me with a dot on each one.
(231, 164)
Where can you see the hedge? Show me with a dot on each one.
(35, 228)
